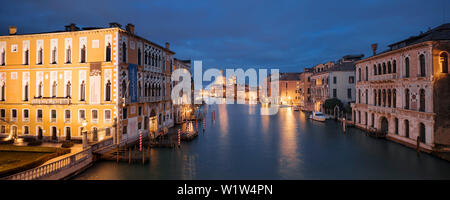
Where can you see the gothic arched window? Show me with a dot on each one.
(83, 54)
(108, 53)
(108, 91)
(82, 91)
(422, 65)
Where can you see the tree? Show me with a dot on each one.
(330, 104)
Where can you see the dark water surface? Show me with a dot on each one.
(242, 144)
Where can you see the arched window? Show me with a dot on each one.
(367, 96)
(422, 100)
(108, 53)
(124, 52)
(367, 73)
(443, 59)
(54, 88)
(394, 66)
(407, 67)
(25, 92)
(68, 89)
(384, 68)
(26, 56)
(384, 98)
(359, 74)
(68, 55)
(394, 98)
(422, 131)
(83, 54)
(145, 57)
(406, 128)
(3, 63)
(139, 57)
(422, 65)
(40, 56)
(379, 97)
(359, 96)
(124, 89)
(379, 69)
(83, 91)
(374, 97)
(40, 88)
(139, 89)
(389, 67)
(108, 91)
(407, 99)
(3, 92)
(374, 69)
(389, 98)
(54, 55)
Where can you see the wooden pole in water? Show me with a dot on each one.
(117, 154)
(129, 156)
(343, 124)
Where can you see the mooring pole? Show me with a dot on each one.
(129, 156)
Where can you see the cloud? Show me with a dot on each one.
(235, 33)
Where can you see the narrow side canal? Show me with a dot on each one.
(242, 144)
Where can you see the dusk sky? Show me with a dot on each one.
(288, 35)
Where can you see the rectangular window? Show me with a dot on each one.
(351, 79)
(39, 115)
(140, 110)
(139, 125)
(53, 114)
(26, 114)
(67, 115)
(94, 115)
(124, 130)
(2, 113)
(349, 93)
(3, 129)
(25, 130)
(81, 115)
(107, 115)
(124, 113)
(334, 93)
(334, 80)
(14, 114)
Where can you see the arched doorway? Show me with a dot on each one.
(54, 133)
(68, 134)
(422, 132)
(384, 125)
(406, 128)
(14, 132)
(40, 134)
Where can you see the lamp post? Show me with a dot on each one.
(84, 132)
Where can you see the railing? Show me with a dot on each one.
(52, 168)
(51, 101)
(101, 144)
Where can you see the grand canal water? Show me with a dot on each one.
(242, 144)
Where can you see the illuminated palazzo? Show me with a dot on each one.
(404, 93)
(51, 82)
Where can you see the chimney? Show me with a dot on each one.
(130, 28)
(12, 30)
(115, 24)
(167, 45)
(374, 48)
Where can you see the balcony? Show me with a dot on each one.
(51, 101)
(381, 109)
(383, 78)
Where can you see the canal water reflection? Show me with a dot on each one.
(242, 144)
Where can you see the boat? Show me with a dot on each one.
(296, 108)
(318, 116)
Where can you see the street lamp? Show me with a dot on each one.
(84, 132)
